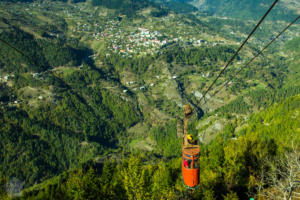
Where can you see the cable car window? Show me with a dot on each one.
(196, 164)
(187, 155)
(187, 163)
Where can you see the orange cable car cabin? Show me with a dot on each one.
(190, 155)
(190, 164)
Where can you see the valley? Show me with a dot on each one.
(97, 83)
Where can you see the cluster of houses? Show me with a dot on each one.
(95, 30)
(142, 40)
(138, 41)
(124, 40)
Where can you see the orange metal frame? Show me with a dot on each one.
(190, 174)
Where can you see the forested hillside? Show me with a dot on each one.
(127, 7)
(177, 6)
(62, 132)
(45, 53)
(231, 167)
(245, 9)
(92, 95)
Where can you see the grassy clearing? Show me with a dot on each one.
(141, 145)
(65, 70)
(44, 18)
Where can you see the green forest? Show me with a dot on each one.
(46, 54)
(56, 136)
(248, 9)
(231, 167)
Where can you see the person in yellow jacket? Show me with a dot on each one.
(191, 139)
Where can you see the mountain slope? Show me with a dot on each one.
(98, 82)
(253, 9)
(231, 166)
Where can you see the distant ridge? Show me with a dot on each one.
(244, 9)
(123, 4)
(178, 6)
